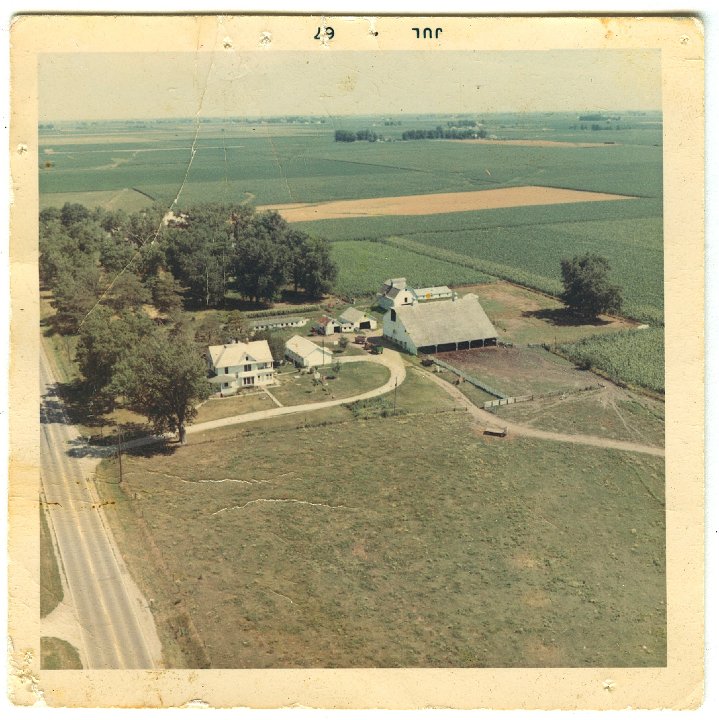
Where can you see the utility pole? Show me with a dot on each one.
(119, 450)
(394, 410)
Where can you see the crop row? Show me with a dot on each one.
(635, 357)
(363, 266)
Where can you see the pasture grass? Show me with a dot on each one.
(299, 548)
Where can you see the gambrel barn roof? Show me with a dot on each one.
(448, 321)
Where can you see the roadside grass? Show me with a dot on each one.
(300, 547)
(353, 379)
(56, 654)
(608, 412)
(51, 591)
(217, 408)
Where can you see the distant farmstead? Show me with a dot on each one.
(240, 365)
(304, 353)
(443, 326)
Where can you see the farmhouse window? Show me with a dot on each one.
(227, 371)
(393, 315)
(248, 368)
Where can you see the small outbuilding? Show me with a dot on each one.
(358, 320)
(304, 353)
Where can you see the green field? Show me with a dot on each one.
(526, 245)
(485, 554)
(363, 266)
(631, 356)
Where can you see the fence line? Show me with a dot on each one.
(538, 396)
(469, 378)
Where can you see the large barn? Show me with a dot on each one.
(442, 326)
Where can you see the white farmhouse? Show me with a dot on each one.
(358, 320)
(429, 327)
(304, 353)
(240, 365)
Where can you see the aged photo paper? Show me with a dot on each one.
(370, 359)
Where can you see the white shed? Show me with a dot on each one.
(304, 353)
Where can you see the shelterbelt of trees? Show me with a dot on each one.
(199, 256)
(107, 270)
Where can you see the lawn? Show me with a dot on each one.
(298, 548)
(353, 379)
(244, 402)
(56, 654)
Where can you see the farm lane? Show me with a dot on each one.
(391, 359)
(116, 627)
(487, 419)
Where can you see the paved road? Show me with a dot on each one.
(486, 419)
(116, 626)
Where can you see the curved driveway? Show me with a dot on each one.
(391, 359)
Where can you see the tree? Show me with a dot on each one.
(166, 293)
(75, 294)
(317, 271)
(235, 327)
(127, 291)
(105, 340)
(275, 341)
(165, 379)
(587, 290)
(261, 256)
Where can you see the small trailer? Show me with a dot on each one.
(496, 431)
(376, 349)
(360, 340)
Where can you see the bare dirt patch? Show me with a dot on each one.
(521, 371)
(525, 316)
(435, 204)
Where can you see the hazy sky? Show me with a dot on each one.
(145, 85)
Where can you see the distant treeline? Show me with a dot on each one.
(459, 130)
(447, 133)
(349, 136)
(600, 116)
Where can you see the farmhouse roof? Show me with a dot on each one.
(353, 315)
(325, 320)
(236, 353)
(303, 347)
(446, 321)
